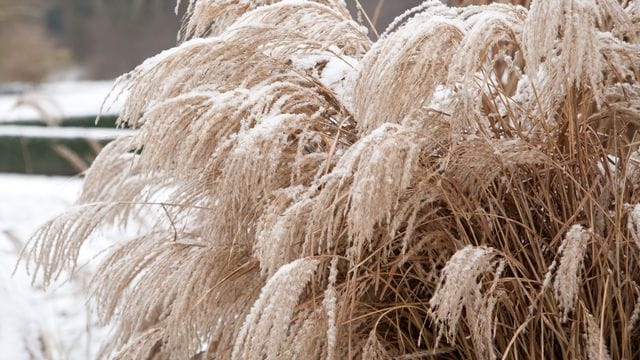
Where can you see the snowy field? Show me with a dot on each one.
(60, 100)
(34, 323)
(62, 132)
(37, 324)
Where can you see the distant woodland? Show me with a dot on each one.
(103, 38)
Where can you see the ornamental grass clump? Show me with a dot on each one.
(464, 187)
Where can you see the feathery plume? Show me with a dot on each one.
(596, 348)
(567, 281)
(459, 287)
(263, 333)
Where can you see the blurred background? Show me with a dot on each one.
(80, 39)
(53, 40)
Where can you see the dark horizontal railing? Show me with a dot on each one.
(54, 153)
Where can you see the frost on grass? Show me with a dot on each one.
(567, 281)
(263, 334)
(459, 288)
(407, 197)
(596, 347)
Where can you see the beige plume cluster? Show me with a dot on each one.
(464, 187)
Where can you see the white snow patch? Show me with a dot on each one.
(60, 100)
(336, 72)
(62, 132)
(36, 323)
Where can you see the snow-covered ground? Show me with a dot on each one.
(62, 132)
(53, 323)
(60, 100)
(34, 323)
